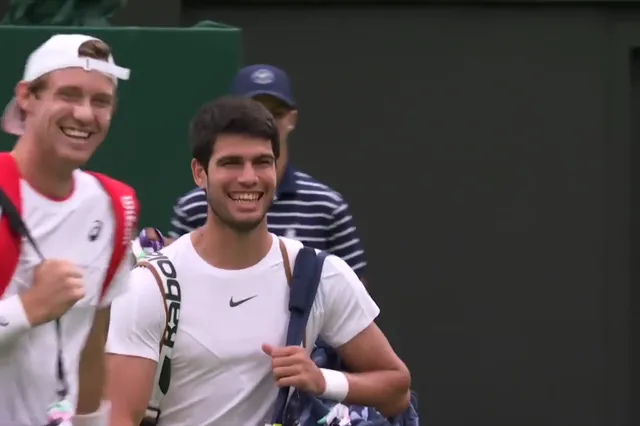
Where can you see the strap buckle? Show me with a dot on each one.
(151, 417)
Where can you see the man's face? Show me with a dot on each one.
(284, 115)
(240, 182)
(71, 116)
(286, 120)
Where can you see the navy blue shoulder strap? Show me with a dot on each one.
(305, 280)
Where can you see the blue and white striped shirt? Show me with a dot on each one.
(304, 209)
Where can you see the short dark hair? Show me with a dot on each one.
(230, 115)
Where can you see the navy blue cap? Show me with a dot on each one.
(263, 79)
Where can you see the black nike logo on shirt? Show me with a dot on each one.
(233, 303)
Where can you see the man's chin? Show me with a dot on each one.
(76, 159)
(245, 225)
(76, 155)
(241, 222)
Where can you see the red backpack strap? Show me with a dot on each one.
(126, 209)
(10, 241)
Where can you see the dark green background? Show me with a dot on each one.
(173, 72)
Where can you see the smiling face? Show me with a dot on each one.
(240, 180)
(286, 118)
(68, 112)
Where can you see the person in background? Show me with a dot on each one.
(303, 208)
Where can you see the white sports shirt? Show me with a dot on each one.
(219, 374)
(79, 229)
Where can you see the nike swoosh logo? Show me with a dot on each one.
(233, 303)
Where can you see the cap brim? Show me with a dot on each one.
(277, 95)
(12, 122)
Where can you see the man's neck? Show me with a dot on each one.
(42, 175)
(225, 248)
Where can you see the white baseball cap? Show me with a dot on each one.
(59, 52)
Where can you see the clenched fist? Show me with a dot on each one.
(292, 367)
(57, 286)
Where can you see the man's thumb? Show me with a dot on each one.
(267, 349)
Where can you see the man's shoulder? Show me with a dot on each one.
(333, 265)
(96, 185)
(193, 195)
(144, 281)
(123, 199)
(104, 183)
(166, 270)
(308, 188)
(293, 246)
(179, 252)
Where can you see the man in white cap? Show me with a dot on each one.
(64, 237)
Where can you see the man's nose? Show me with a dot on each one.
(83, 112)
(248, 177)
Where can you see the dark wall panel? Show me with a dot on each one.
(149, 13)
(484, 154)
(448, 3)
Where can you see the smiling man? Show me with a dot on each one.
(304, 208)
(56, 289)
(228, 356)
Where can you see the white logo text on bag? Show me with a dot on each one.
(172, 297)
(129, 207)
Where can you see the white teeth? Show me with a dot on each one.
(244, 197)
(74, 133)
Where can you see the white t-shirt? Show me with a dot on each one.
(219, 374)
(80, 229)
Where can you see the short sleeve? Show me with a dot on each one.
(347, 306)
(138, 318)
(344, 240)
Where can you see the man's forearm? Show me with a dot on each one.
(92, 380)
(92, 365)
(388, 391)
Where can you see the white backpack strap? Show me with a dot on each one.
(167, 278)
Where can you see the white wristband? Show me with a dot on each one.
(337, 385)
(101, 417)
(13, 318)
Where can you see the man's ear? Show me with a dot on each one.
(23, 96)
(292, 120)
(199, 174)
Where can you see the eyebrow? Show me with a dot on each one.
(264, 157)
(104, 96)
(77, 89)
(270, 157)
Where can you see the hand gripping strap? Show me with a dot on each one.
(307, 272)
(167, 279)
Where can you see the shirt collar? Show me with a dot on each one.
(287, 183)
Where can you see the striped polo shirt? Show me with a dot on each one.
(303, 208)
